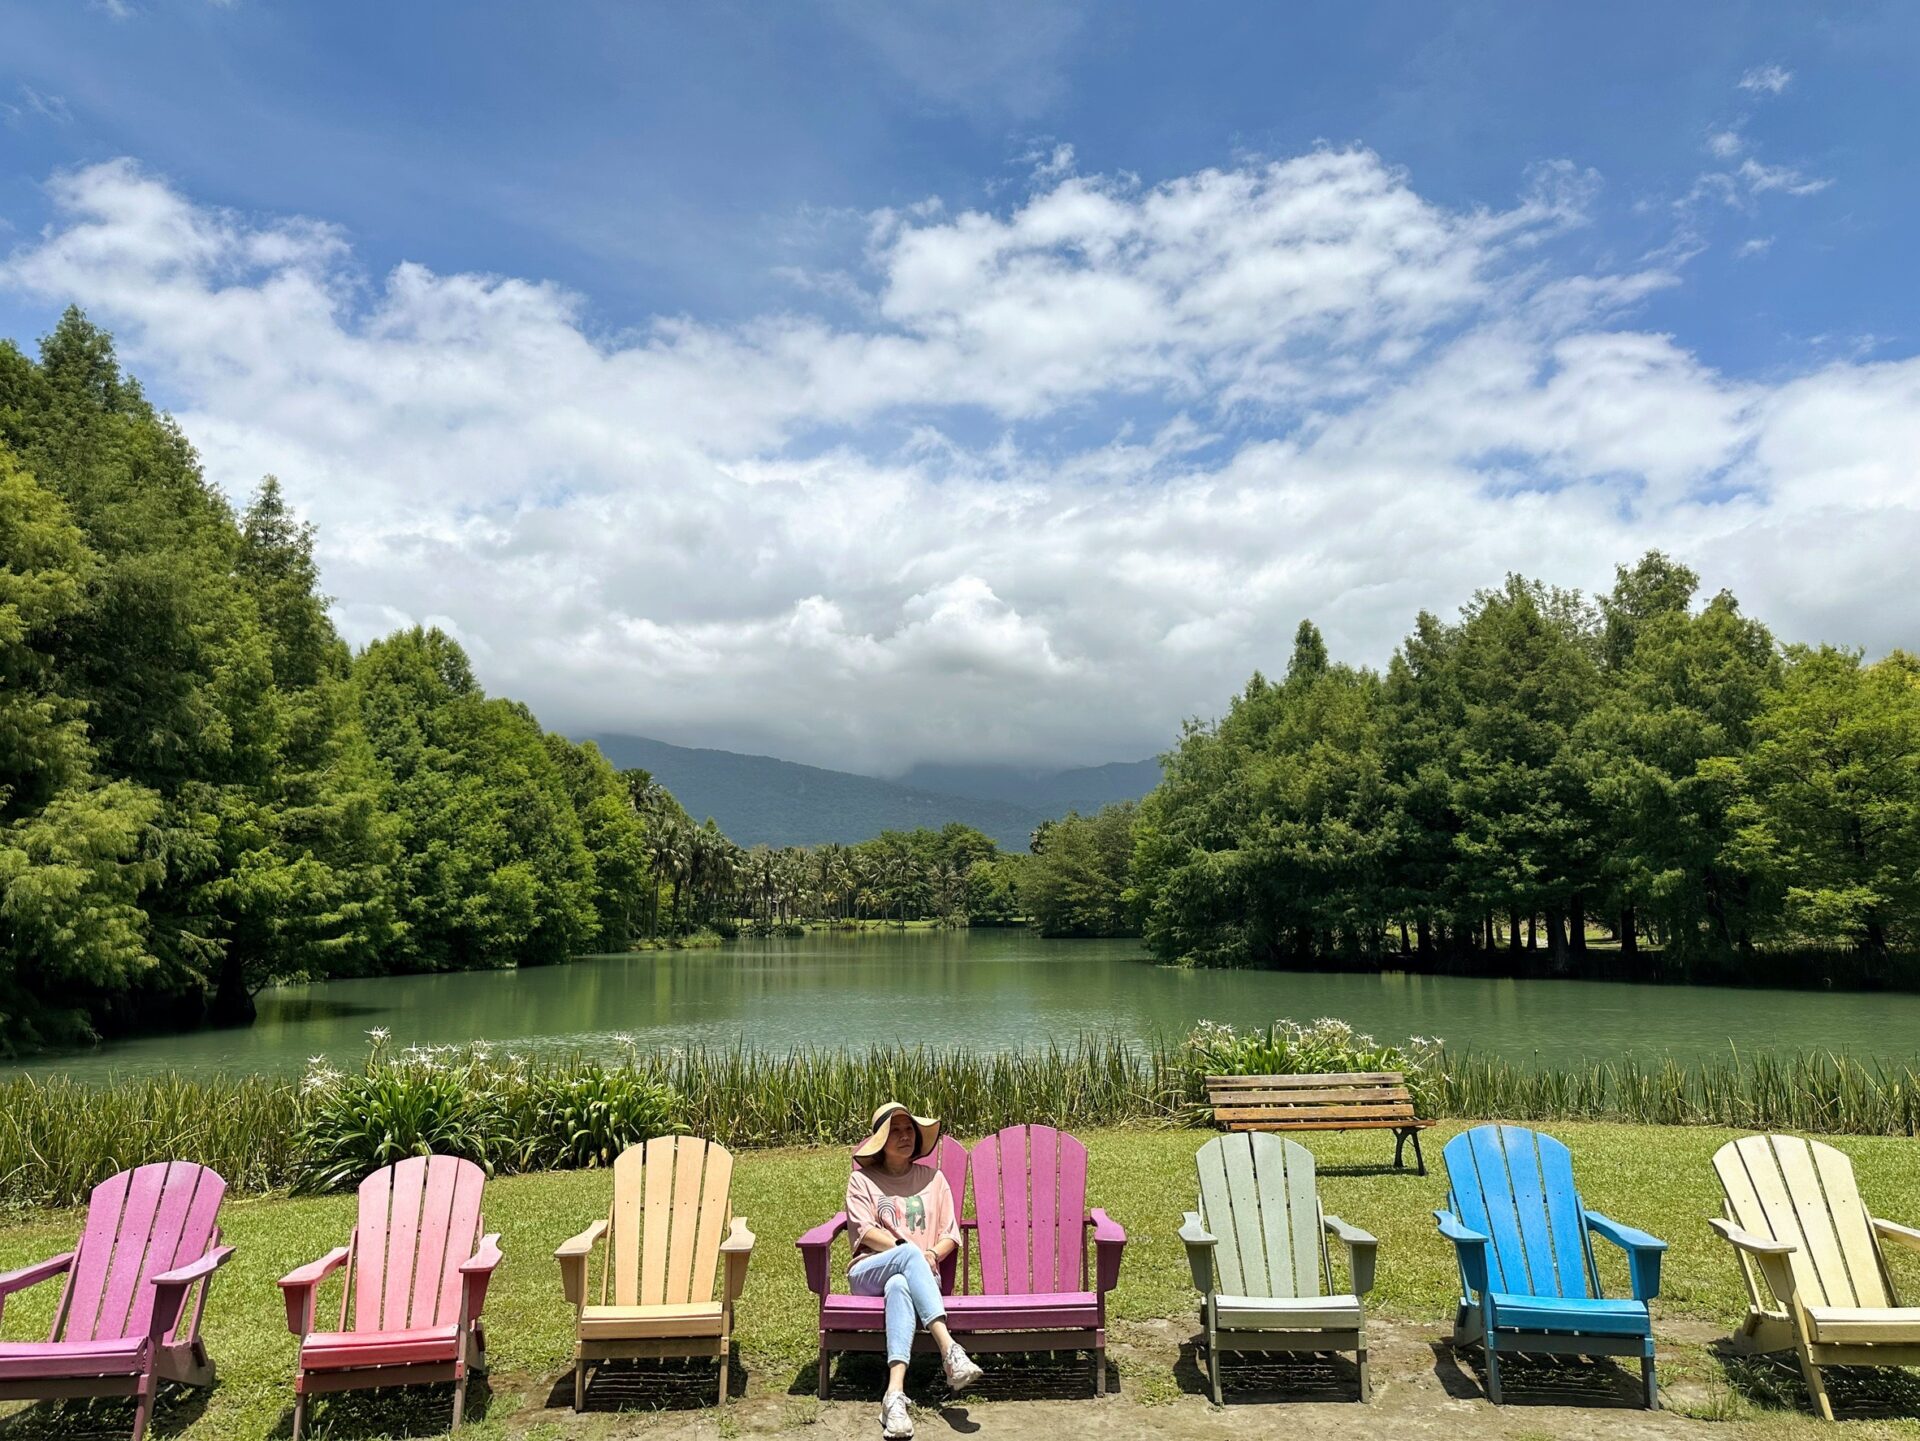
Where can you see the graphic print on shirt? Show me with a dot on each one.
(904, 1214)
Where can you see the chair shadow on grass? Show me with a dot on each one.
(1008, 1376)
(1539, 1380)
(176, 1410)
(1252, 1377)
(391, 1411)
(669, 1383)
(1773, 1382)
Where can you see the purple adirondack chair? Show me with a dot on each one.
(1031, 1226)
(151, 1236)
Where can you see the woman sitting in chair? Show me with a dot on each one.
(903, 1221)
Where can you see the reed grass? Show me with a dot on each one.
(59, 1138)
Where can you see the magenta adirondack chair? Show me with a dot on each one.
(151, 1236)
(417, 1272)
(1031, 1227)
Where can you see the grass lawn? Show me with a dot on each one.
(1657, 1178)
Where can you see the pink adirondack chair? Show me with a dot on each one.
(417, 1272)
(858, 1323)
(1031, 1227)
(150, 1238)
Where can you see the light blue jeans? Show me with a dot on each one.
(912, 1290)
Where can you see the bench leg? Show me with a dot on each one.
(1399, 1151)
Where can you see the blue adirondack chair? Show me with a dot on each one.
(1524, 1242)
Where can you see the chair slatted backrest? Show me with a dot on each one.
(1784, 1188)
(1030, 1204)
(419, 1220)
(1515, 1187)
(1258, 1200)
(140, 1224)
(671, 1204)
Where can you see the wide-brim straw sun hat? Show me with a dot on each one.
(926, 1129)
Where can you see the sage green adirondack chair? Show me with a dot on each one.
(1258, 1250)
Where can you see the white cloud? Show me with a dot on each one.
(1073, 469)
(1761, 178)
(1725, 143)
(1758, 245)
(1766, 79)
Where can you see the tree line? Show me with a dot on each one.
(1641, 768)
(202, 790)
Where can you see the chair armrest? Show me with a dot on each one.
(1768, 1257)
(573, 1255)
(1363, 1251)
(1470, 1247)
(1109, 1241)
(1200, 1248)
(476, 1272)
(33, 1275)
(1893, 1231)
(736, 1251)
(170, 1290)
(1643, 1253)
(297, 1288)
(816, 1252)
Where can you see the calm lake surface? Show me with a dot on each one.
(989, 989)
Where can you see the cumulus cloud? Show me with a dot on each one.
(1076, 466)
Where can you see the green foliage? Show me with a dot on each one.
(1075, 883)
(507, 1115)
(202, 791)
(1326, 1047)
(1541, 764)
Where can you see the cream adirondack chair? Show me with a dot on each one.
(1257, 1248)
(1817, 1282)
(670, 1203)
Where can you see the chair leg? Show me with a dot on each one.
(1493, 1371)
(1366, 1380)
(821, 1378)
(725, 1349)
(580, 1383)
(143, 1407)
(1816, 1384)
(1100, 1369)
(299, 1413)
(1647, 1380)
(1213, 1366)
(459, 1400)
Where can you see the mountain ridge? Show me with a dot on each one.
(763, 800)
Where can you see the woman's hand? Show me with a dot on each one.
(933, 1258)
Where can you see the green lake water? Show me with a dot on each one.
(989, 989)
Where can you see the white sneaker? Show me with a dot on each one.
(895, 1423)
(961, 1371)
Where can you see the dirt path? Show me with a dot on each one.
(1420, 1390)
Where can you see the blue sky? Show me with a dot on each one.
(750, 188)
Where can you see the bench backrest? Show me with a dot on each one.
(671, 1204)
(1258, 1200)
(1783, 1188)
(1310, 1102)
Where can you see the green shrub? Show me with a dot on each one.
(1288, 1048)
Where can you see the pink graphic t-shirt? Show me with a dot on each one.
(917, 1207)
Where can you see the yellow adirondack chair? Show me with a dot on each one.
(670, 1202)
(1817, 1283)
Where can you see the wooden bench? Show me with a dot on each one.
(1353, 1101)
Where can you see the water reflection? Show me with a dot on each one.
(990, 989)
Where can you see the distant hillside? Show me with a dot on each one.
(1052, 793)
(759, 800)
